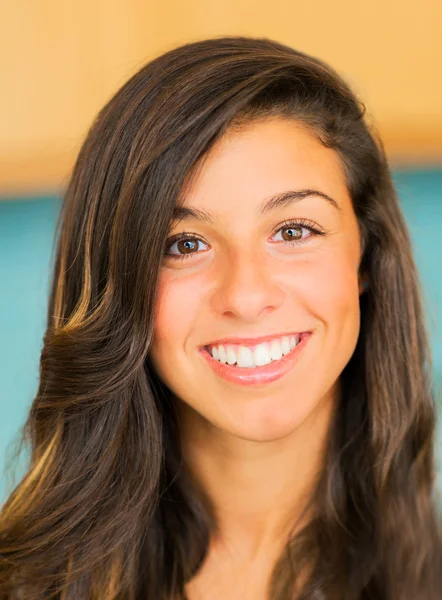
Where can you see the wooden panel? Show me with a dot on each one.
(63, 60)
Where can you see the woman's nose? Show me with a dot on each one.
(247, 288)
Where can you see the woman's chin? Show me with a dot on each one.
(265, 427)
(264, 422)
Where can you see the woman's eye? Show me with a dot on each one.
(293, 234)
(187, 244)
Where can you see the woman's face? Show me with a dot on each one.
(251, 272)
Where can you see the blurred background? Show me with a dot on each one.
(62, 60)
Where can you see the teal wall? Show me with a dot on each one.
(26, 237)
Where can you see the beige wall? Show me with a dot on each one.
(63, 59)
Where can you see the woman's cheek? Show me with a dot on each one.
(178, 304)
(327, 286)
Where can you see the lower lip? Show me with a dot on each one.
(258, 375)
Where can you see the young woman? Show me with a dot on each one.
(235, 395)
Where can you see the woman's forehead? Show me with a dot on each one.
(266, 159)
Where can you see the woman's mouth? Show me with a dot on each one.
(259, 364)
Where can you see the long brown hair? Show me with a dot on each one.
(105, 510)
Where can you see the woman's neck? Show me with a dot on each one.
(258, 491)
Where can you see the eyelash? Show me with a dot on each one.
(304, 223)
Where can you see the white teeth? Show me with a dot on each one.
(285, 345)
(244, 357)
(230, 355)
(275, 350)
(222, 354)
(261, 355)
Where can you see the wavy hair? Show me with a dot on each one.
(106, 510)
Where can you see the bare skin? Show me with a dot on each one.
(241, 566)
(256, 452)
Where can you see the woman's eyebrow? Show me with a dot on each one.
(281, 200)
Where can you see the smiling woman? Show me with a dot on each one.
(235, 397)
(255, 289)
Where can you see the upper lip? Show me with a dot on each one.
(253, 341)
